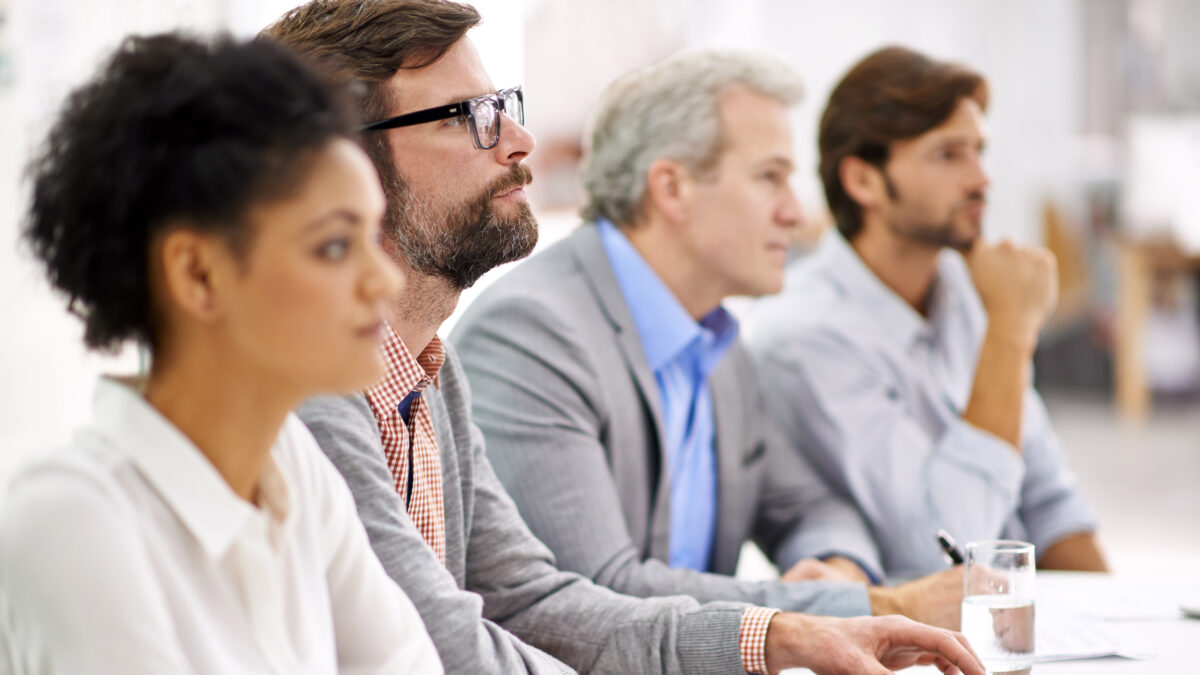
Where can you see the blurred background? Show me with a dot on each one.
(1094, 152)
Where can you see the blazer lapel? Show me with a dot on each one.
(589, 252)
(729, 420)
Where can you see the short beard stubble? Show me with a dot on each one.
(933, 235)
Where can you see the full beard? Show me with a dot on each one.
(464, 242)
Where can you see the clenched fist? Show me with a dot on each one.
(1017, 284)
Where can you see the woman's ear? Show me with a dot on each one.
(669, 189)
(862, 181)
(191, 265)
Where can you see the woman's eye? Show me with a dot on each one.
(456, 121)
(334, 250)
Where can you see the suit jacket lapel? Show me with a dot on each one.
(589, 252)
(728, 419)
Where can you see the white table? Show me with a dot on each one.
(1141, 614)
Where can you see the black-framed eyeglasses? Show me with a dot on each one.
(482, 114)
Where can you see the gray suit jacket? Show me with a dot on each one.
(500, 585)
(571, 412)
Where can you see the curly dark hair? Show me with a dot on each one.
(173, 131)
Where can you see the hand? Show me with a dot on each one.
(836, 568)
(864, 646)
(935, 599)
(1014, 628)
(1017, 284)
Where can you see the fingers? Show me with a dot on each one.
(962, 639)
(951, 646)
(959, 652)
(946, 667)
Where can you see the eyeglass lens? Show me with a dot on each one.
(485, 114)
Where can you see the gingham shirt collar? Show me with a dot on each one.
(405, 374)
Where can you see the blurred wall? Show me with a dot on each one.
(1030, 50)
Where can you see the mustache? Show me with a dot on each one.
(519, 176)
(976, 197)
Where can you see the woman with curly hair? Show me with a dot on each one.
(205, 199)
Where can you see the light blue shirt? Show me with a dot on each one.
(873, 393)
(681, 352)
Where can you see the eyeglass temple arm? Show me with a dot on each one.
(418, 117)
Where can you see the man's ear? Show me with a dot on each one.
(863, 181)
(192, 264)
(669, 189)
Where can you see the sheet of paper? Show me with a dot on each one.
(1061, 638)
(1121, 599)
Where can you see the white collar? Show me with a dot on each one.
(184, 478)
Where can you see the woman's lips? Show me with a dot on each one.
(373, 330)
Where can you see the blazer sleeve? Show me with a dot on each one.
(528, 601)
(536, 398)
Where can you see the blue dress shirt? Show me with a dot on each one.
(682, 353)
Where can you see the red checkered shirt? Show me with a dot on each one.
(405, 375)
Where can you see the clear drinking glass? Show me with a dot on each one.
(998, 608)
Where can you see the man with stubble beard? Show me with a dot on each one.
(449, 148)
(898, 356)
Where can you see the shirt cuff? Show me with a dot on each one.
(752, 638)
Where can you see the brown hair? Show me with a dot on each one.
(893, 94)
(365, 42)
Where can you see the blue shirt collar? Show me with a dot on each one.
(664, 326)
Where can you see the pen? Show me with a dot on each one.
(951, 549)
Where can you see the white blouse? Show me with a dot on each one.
(127, 553)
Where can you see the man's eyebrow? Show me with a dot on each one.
(456, 99)
(785, 162)
(958, 141)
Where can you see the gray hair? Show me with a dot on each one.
(668, 111)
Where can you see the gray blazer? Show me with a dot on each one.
(500, 585)
(571, 411)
